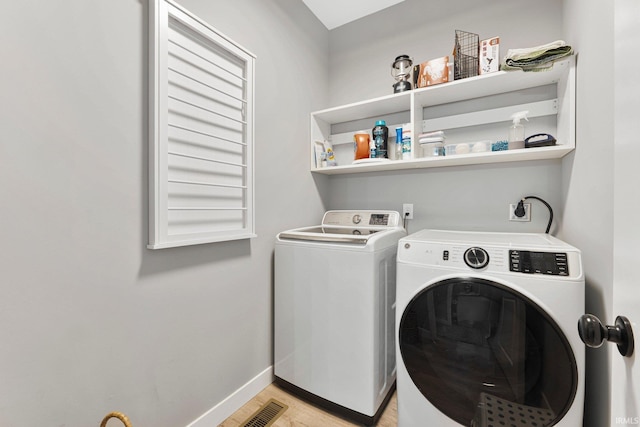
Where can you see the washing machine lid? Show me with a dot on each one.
(358, 236)
(348, 227)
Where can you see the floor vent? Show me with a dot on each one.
(266, 415)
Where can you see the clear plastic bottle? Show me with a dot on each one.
(406, 144)
(397, 148)
(516, 131)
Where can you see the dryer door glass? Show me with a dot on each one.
(486, 355)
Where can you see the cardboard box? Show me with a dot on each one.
(433, 72)
(490, 55)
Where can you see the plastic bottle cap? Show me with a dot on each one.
(381, 123)
(516, 117)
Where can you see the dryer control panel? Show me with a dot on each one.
(533, 255)
(553, 263)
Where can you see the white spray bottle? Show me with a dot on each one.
(516, 131)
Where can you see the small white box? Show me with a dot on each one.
(490, 55)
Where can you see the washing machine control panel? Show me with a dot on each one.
(552, 263)
(385, 219)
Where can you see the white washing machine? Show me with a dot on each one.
(334, 311)
(486, 330)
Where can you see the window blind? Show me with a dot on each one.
(201, 150)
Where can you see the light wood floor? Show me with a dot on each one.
(302, 413)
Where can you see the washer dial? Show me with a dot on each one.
(356, 219)
(476, 258)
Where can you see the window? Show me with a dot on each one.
(201, 182)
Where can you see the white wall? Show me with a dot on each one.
(362, 51)
(588, 176)
(625, 375)
(475, 197)
(90, 320)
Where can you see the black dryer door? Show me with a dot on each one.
(486, 355)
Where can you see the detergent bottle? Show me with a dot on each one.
(516, 131)
(380, 134)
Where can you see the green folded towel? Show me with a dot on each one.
(537, 58)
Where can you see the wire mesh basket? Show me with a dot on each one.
(466, 55)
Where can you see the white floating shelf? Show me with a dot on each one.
(556, 113)
(540, 153)
(375, 107)
(490, 84)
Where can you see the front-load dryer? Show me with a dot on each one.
(486, 330)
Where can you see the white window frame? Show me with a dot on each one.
(161, 233)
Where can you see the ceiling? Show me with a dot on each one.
(334, 13)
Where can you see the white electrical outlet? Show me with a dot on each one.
(527, 213)
(407, 208)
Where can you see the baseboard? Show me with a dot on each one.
(235, 400)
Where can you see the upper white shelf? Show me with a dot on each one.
(560, 106)
(490, 84)
(375, 107)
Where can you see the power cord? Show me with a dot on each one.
(519, 211)
(404, 221)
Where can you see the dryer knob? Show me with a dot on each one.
(476, 258)
(593, 333)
